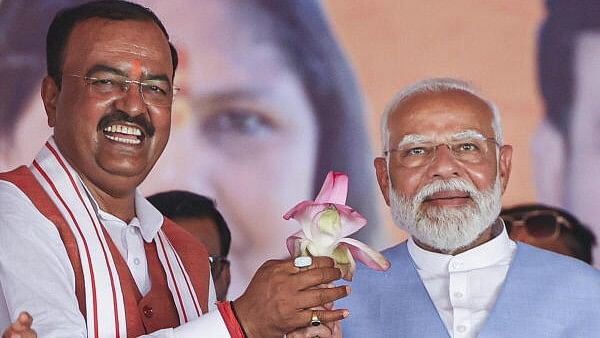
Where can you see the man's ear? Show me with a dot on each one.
(505, 164)
(50, 92)
(549, 157)
(381, 169)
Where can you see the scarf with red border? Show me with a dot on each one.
(104, 299)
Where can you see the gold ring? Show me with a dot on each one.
(314, 320)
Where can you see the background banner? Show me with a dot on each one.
(277, 93)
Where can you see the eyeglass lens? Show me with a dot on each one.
(540, 226)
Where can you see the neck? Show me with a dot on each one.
(119, 205)
(491, 232)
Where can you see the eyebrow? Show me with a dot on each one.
(468, 134)
(228, 95)
(414, 139)
(108, 69)
(420, 139)
(104, 68)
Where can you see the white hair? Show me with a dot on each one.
(437, 85)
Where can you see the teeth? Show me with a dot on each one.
(123, 140)
(122, 129)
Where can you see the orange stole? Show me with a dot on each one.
(144, 314)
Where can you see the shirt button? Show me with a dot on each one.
(461, 328)
(148, 311)
(456, 265)
(456, 294)
(132, 230)
(136, 261)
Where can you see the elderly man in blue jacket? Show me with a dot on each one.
(444, 170)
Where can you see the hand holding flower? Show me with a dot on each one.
(326, 222)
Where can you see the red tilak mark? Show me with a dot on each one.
(136, 69)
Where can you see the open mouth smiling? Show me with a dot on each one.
(122, 133)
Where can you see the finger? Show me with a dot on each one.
(321, 331)
(23, 322)
(317, 276)
(317, 262)
(320, 297)
(25, 319)
(337, 330)
(322, 262)
(325, 316)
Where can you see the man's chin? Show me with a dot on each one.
(447, 229)
(447, 245)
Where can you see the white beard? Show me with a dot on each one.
(447, 228)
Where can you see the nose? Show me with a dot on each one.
(444, 165)
(132, 101)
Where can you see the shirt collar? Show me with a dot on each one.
(493, 252)
(148, 219)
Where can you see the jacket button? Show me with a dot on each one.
(148, 311)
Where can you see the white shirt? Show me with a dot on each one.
(464, 287)
(36, 274)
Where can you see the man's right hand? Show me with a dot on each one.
(20, 328)
(280, 295)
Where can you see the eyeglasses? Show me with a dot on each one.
(541, 224)
(158, 93)
(472, 150)
(217, 264)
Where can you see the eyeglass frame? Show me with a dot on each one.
(560, 222)
(125, 84)
(217, 264)
(435, 146)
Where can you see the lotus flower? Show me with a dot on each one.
(326, 222)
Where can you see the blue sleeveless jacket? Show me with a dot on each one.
(544, 295)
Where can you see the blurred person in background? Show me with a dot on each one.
(23, 127)
(566, 144)
(549, 228)
(199, 215)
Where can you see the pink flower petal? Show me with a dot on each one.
(299, 208)
(334, 189)
(305, 213)
(352, 221)
(370, 257)
(294, 243)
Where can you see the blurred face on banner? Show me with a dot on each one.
(243, 130)
(582, 181)
(567, 166)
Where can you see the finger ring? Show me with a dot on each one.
(314, 320)
(302, 261)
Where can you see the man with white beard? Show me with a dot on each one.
(444, 170)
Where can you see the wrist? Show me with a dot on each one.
(231, 320)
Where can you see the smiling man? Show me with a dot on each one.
(80, 248)
(444, 170)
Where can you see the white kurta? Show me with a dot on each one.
(464, 287)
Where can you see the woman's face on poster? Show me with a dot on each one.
(243, 131)
(584, 151)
